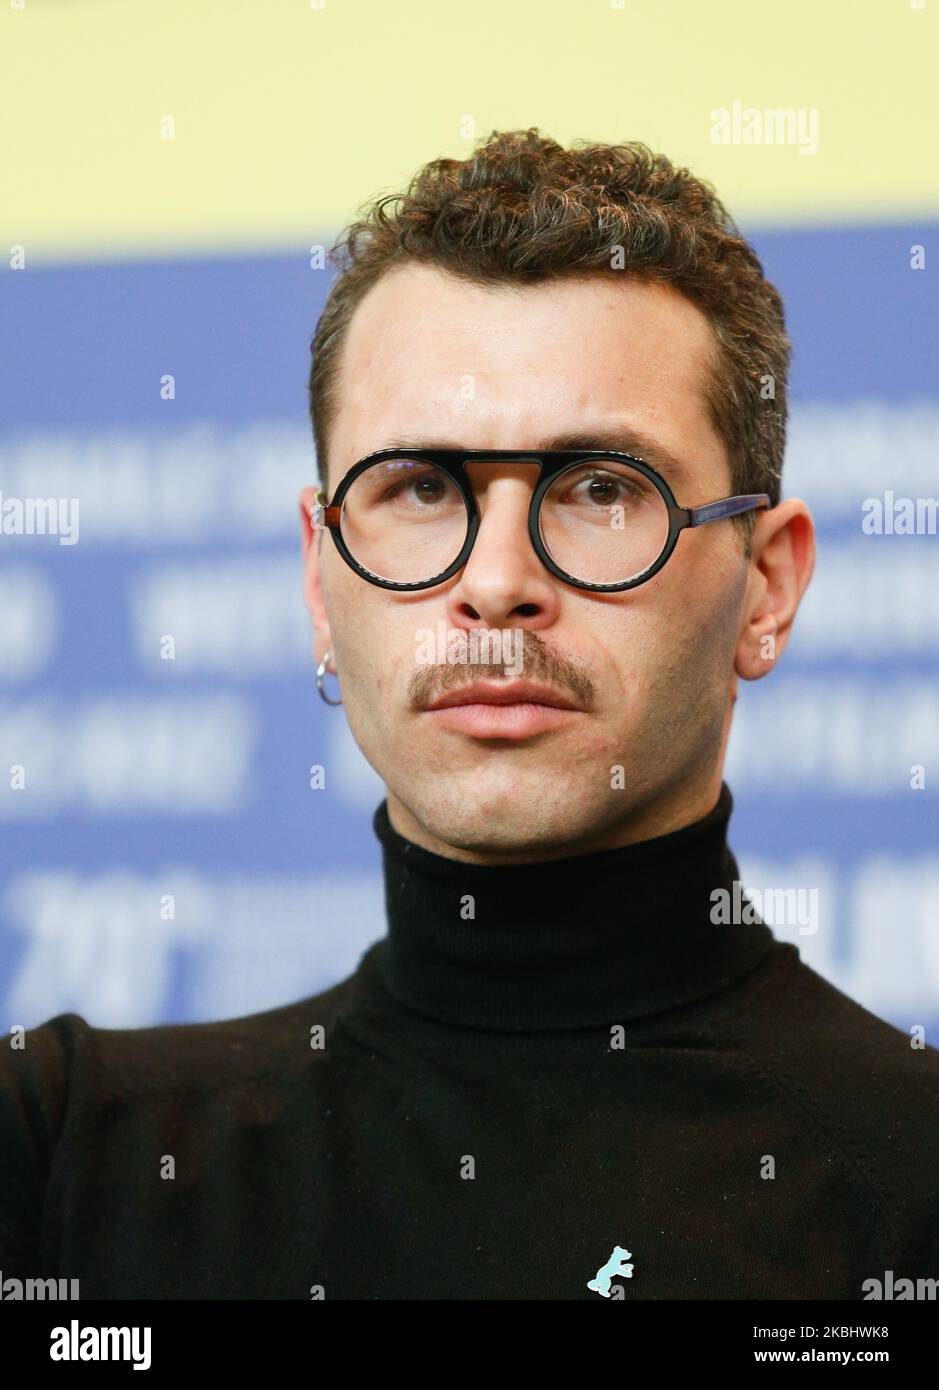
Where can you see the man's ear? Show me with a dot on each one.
(781, 564)
(310, 543)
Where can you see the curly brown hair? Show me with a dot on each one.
(522, 209)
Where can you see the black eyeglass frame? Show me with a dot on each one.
(327, 515)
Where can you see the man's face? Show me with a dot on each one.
(436, 359)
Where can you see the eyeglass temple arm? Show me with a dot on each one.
(323, 517)
(727, 506)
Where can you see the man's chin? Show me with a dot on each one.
(517, 819)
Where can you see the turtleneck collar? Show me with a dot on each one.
(580, 942)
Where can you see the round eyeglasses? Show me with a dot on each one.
(600, 521)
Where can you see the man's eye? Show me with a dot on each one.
(603, 490)
(423, 490)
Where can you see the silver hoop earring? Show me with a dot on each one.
(320, 677)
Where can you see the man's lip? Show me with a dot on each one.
(504, 693)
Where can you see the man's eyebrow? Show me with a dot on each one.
(620, 439)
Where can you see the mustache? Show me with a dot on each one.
(539, 661)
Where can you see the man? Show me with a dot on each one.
(549, 402)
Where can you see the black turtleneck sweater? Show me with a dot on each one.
(538, 1064)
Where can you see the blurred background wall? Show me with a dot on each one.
(169, 174)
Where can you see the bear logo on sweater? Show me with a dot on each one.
(616, 1264)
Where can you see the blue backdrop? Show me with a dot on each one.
(162, 855)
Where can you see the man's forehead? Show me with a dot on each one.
(432, 361)
(425, 305)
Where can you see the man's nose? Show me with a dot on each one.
(503, 583)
